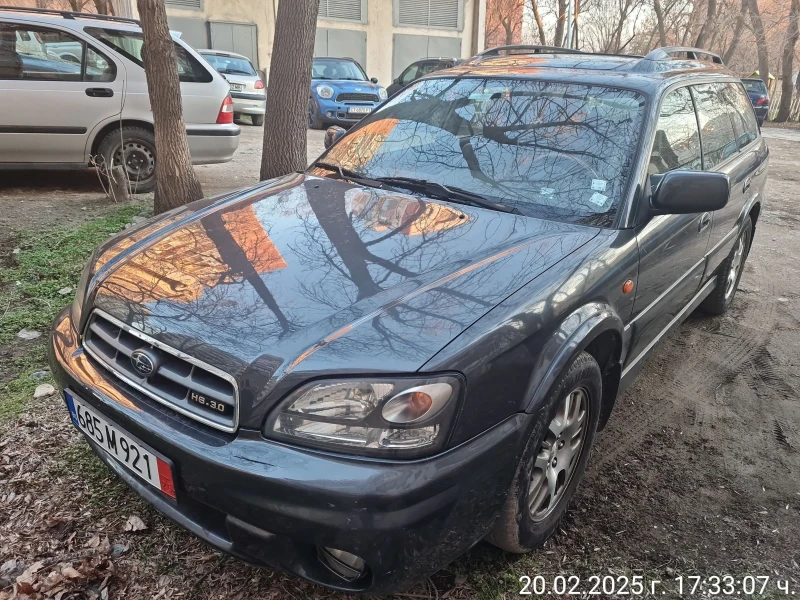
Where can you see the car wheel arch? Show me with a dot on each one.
(115, 124)
(595, 328)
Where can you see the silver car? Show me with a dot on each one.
(73, 93)
(247, 88)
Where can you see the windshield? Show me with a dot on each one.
(754, 85)
(230, 65)
(552, 150)
(334, 68)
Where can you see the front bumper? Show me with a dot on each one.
(761, 113)
(271, 504)
(209, 144)
(339, 113)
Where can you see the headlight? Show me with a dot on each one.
(382, 93)
(325, 91)
(396, 418)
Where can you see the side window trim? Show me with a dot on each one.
(699, 128)
(720, 165)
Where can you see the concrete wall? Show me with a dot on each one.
(379, 28)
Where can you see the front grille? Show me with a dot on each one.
(189, 386)
(345, 96)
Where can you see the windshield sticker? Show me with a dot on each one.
(599, 185)
(598, 199)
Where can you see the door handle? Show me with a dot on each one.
(747, 183)
(100, 92)
(705, 221)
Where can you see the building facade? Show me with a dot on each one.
(384, 36)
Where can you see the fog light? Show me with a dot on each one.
(330, 113)
(347, 566)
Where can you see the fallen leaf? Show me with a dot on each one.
(135, 523)
(25, 588)
(93, 542)
(70, 572)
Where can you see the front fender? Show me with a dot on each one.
(575, 333)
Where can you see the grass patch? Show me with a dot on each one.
(48, 261)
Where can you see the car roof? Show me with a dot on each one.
(646, 74)
(221, 53)
(70, 19)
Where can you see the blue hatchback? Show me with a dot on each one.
(341, 93)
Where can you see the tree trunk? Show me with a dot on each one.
(662, 34)
(708, 25)
(509, 29)
(737, 34)
(286, 120)
(761, 41)
(176, 182)
(558, 38)
(792, 34)
(538, 18)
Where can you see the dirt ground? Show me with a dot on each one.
(697, 473)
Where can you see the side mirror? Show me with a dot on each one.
(374, 80)
(688, 192)
(396, 80)
(332, 135)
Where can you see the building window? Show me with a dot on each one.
(442, 14)
(343, 10)
(185, 4)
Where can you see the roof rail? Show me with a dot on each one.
(526, 49)
(665, 53)
(68, 14)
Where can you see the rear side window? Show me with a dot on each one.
(130, 43)
(744, 119)
(409, 75)
(677, 141)
(716, 125)
(41, 54)
(755, 85)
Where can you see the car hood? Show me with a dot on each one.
(312, 275)
(344, 85)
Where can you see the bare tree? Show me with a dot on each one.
(708, 24)
(503, 21)
(176, 182)
(737, 34)
(662, 33)
(537, 16)
(792, 34)
(558, 39)
(285, 123)
(761, 41)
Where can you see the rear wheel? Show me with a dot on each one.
(554, 459)
(729, 273)
(134, 149)
(258, 120)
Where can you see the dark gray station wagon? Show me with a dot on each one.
(358, 372)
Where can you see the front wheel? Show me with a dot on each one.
(258, 120)
(554, 459)
(134, 149)
(314, 118)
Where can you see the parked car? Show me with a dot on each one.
(341, 93)
(759, 98)
(73, 91)
(419, 69)
(247, 89)
(356, 373)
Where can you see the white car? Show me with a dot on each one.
(247, 88)
(73, 91)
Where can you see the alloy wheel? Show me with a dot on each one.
(733, 272)
(558, 455)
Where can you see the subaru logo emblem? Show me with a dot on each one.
(144, 362)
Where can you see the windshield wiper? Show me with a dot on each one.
(455, 194)
(349, 174)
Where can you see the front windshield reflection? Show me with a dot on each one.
(553, 150)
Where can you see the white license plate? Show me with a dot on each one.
(360, 110)
(237, 87)
(134, 455)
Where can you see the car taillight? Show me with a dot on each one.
(259, 85)
(762, 100)
(225, 111)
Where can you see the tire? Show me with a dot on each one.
(721, 298)
(520, 528)
(140, 147)
(258, 120)
(314, 118)
(237, 117)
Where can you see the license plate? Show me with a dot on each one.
(237, 87)
(131, 453)
(360, 110)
